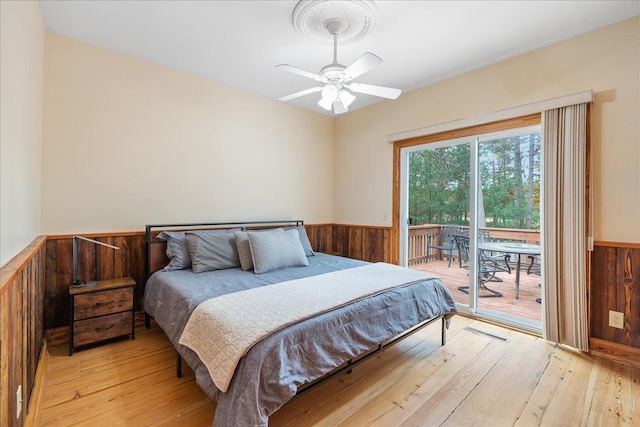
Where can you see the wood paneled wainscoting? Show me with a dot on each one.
(615, 285)
(364, 242)
(368, 243)
(21, 333)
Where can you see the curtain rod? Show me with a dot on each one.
(507, 113)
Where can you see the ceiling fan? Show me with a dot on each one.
(336, 92)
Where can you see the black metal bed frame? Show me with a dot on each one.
(347, 366)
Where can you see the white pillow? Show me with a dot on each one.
(244, 247)
(273, 250)
(304, 239)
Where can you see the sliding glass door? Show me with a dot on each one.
(470, 213)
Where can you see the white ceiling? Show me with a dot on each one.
(239, 43)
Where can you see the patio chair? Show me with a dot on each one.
(534, 265)
(445, 241)
(534, 268)
(497, 257)
(487, 268)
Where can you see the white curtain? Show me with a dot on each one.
(565, 224)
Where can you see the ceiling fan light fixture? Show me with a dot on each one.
(338, 107)
(329, 94)
(325, 103)
(346, 98)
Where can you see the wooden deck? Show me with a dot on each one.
(525, 306)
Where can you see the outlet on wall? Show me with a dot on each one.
(616, 319)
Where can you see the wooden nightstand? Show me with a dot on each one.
(101, 311)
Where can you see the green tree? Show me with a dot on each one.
(509, 196)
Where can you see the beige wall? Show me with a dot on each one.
(606, 61)
(21, 79)
(129, 143)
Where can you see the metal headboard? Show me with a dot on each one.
(151, 240)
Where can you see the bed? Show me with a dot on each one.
(300, 352)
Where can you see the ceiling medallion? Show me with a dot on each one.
(358, 18)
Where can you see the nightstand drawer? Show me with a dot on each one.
(102, 303)
(102, 328)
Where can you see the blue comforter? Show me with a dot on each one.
(270, 373)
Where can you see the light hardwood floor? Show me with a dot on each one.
(476, 379)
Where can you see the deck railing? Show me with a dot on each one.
(423, 236)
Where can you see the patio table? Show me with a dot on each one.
(512, 248)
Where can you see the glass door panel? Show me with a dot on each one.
(439, 182)
(508, 218)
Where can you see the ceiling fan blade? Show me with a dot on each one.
(338, 108)
(301, 93)
(381, 91)
(361, 65)
(300, 72)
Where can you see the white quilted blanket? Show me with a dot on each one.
(221, 330)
